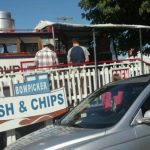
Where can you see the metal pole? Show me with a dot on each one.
(95, 59)
(53, 34)
(141, 51)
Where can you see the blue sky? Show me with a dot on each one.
(27, 13)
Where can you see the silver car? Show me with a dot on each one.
(114, 117)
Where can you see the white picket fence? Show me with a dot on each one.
(78, 84)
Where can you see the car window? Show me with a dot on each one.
(105, 107)
(146, 106)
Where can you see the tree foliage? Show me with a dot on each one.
(116, 11)
(120, 12)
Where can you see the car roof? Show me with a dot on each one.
(137, 79)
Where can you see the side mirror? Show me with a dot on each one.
(145, 119)
(147, 114)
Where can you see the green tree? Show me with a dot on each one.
(116, 11)
(119, 12)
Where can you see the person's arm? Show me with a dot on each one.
(57, 62)
(87, 59)
(36, 60)
(68, 56)
(56, 59)
(86, 53)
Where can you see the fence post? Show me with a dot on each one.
(11, 134)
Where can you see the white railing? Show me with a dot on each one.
(78, 81)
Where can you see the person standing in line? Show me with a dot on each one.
(77, 55)
(46, 56)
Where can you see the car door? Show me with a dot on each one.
(143, 130)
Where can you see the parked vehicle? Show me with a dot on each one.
(17, 52)
(111, 118)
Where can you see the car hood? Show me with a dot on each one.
(56, 137)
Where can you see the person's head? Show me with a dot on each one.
(48, 44)
(116, 77)
(75, 42)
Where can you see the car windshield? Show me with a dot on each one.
(105, 107)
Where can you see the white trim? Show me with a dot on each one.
(42, 24)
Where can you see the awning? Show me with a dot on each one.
(44, 23)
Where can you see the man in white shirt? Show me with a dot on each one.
(46, 56)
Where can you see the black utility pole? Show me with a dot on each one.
(141, 51)
(95, 59)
